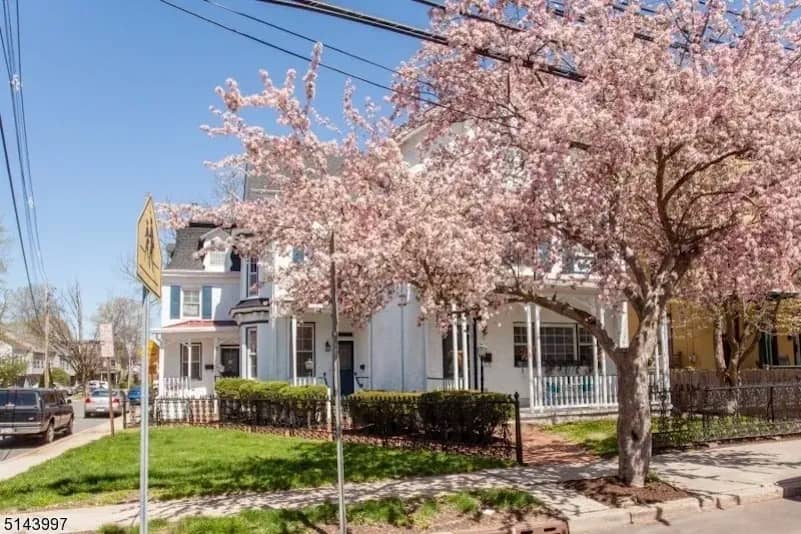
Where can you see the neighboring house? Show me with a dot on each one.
(219, 320)
(16, 346)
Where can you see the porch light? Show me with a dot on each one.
(328, 346)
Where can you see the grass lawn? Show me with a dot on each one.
(205, 461)
(418, 514)
(599, 436)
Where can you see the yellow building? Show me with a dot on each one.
(692, 345)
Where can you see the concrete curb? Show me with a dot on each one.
(58, 441)
(671, 510)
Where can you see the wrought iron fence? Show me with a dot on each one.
(696, 414)
(485, 427)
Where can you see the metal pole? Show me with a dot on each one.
(595, 390)
(143, 428)
(343, 519)
(538, 353)
(47, 338)
(530, 359)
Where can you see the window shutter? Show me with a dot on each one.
(206, 302)
(175, 302)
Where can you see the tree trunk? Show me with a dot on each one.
(634, 406)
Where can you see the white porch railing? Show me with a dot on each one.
(582, 391)
(172, 387)
(440, 384)
(307, 381)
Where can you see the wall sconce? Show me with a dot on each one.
(328, 346)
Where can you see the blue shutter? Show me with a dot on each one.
(205, 300)
(175, 302)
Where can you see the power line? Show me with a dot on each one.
(411, 31)
(329, 67)
(16, 216)
(327, 46)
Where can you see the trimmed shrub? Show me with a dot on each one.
(386, 413)
(465, 416)
(228, 388)
(310, 392)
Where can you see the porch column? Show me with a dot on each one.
(664, 335)
(604, 379)
(161, 366)
(465, 356)
(216, 360)
(538, 353)
(455, 344)
(293, 341)
(596, 389)
(530, 359)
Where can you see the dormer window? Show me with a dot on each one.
(217, 258)
(253, 278)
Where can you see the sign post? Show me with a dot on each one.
(148, 270)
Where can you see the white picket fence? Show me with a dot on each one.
(174, 387)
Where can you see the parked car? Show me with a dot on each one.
(97, 384)
(97, 403)
(35, 413)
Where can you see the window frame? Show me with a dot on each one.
(184, 291)
(191, 353)
(252, 287)
(547, 360)
(252, 351)
(300, 362)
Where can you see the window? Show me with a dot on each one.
(558, 344)
(191, 306)
(521, 346)
(217, 258)
(253, 278)
(251, 341)
(305, 349)
(561, 345)
(585, 345)
(298, 255)
(191, 360)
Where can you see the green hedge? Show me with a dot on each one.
(466, 416)
(385, 412)
(246, 389)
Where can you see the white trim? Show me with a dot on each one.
(188, 273)
(194, 329)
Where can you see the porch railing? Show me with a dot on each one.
(439, 384)
(583, 391)
(307, 381)
(171, 387)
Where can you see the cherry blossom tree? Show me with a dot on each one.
(652, 136)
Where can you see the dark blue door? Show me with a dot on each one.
(346, 367)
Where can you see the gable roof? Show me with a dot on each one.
(188, 241)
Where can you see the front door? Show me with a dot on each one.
(346, 367)
(229, 357)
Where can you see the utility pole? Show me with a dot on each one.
(47, 337)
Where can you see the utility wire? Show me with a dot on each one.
(329, 67)
(16, 216)
(327, 46)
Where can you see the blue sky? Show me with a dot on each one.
(115, 92)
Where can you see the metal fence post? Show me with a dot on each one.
(518, 431)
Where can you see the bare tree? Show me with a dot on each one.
(125, 316)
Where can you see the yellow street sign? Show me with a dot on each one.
(148, 251)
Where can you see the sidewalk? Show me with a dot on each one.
(723, 477)
(38, 455)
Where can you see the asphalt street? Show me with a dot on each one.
(14, 447)
(780, 515)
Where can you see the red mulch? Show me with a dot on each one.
(541, 448)
(610, 491)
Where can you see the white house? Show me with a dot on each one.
(219, 320)
(16, 347)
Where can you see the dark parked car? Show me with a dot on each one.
(35, 412)
(135, 395)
